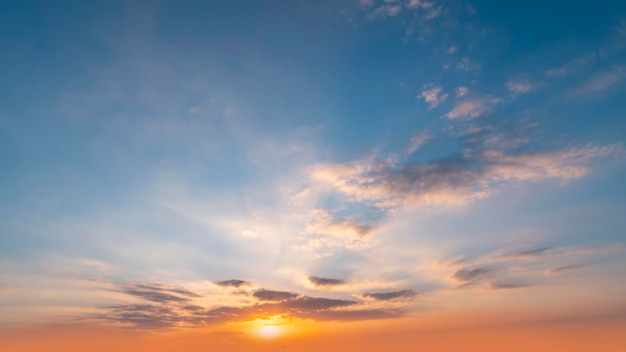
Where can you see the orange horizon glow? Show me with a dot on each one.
(450, 334)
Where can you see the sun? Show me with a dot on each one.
(269, 331)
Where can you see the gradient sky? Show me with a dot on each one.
(319, 166)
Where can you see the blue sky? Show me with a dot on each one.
(438, 148)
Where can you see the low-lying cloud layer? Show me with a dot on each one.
(166, 307)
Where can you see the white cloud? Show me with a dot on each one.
(414, 4)
(473, 108)
(384, 12)
(461, 91)
(448, 184)
(429, 11)
(433, 96)
(419, 139)
(520, 87)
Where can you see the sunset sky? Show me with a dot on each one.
(313, 175)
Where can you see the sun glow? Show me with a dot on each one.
(269, 331)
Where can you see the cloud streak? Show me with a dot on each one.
(232, 283)
(325, 282)
(473, 108)
(388, 296)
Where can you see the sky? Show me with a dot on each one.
(306, 175)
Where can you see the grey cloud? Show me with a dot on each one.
(467, 274)
(157, 293)
(141, 316)
(563, 268)
(487, 159)
(324, 282)
(364, 314)
(353, 225)
(270, 295)
(386, 296)
(315, 303)
(172, 307)
(532, 253)
(232, 283)
(176, 290)
(505, 285)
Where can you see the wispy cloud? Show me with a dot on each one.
(473, 108)
(157, 293)
(384, 11)
(388, 296)
(419, 139)
(571, 66)
(327, 224)
(528, 254)
(497, 285)
(366, 3)
(456, 180)
(466, 64)
(157, 313)
(520, 87)
(601, 81)
(563, 268)
(471, 274)
(428, 9)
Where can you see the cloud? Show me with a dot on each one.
(561, 269)
(419, 139)
(455, 180)
(515, 87)
(315, 303)
(571, 66)
(361, 314)
(366, 3)
(384, 12)
(350, 225)
(270, 295)
(232, 283)
(601, 81)
(473, 108)
(141, 316)
(529, 254)
(428, 9)
(433, 96)
(467, 274)
(325, 282)
(387, 296)
(168, 313)
(325, 223)
(156, 293)
(466, 64)
(504, 285)
(461, 91)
